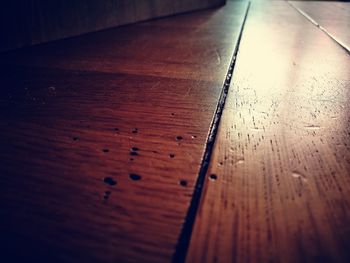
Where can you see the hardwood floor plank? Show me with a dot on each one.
(35, 21)
(332, 17)
(190, 46)
(278, 186)
(102, 138)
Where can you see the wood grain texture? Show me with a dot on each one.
(36, 21)
(102, 138)
(333, 17)
(278, 186)
(186, 46)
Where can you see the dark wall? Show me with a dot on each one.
(27, 22)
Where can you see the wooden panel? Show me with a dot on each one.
(45, 21)
(172, 54)
(102, 137)
(57, 19)
(278, 185)
(332, 17)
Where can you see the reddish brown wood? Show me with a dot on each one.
(331, 16)
(278, 185)
(185, 46)
(102, 138)
(31, 22)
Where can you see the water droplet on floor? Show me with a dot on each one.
(193, 136)
(179, 138)
(134, 177)
(135, 130)
(171, 155)
(213, 177)
(106, 195)
(132, 153)
(75, 138)
(135, 149)
(105, 150)
(183, 183)
(109, 181)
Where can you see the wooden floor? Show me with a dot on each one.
(135, 145)
(278, 186)
(331, 17)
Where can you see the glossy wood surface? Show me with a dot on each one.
(332, 16)
(29, 22)
(278, 185)
(102, 138)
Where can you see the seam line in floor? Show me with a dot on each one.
(186, 232)
(314, 22)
